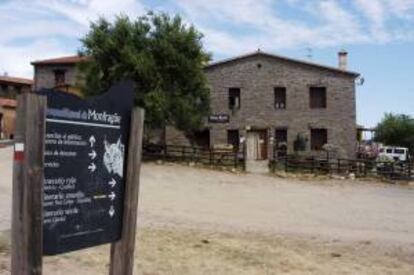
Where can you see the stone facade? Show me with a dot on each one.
(45, 74)
(7, 121)
(10, 88)
(45, 77)
(256, 76)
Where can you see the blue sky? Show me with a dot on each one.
(378, 34)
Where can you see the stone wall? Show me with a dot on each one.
(44, 77)
(8, 122)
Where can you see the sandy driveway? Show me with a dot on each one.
(199, 198)
(339, 210)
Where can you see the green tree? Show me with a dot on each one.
(396, 130)
(164, 56)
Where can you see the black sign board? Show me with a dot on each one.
(219, 118)
(84, 168)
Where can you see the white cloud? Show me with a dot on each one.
(401, 8)
(231, 27)
(84, 11)
(269, 30)
(338, 23)
(33, 30)
(15, 60)
(381, 12)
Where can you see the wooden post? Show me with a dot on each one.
(27, 217)
(122, 252)
(286, 163)
(339, 166)
(244, 156)
(165, 152)
(365, 168)
(236, 158)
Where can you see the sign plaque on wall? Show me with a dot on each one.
(219, 118)
(84, 168)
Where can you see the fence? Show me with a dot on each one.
(212, 157)
(359, 167)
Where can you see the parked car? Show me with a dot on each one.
(395, 153)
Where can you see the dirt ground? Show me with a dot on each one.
(198, 221)
(173, 251)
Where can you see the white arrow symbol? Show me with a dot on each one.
(112, 183)
(112, 196)
(92, 140)
(111, 211)
(92, 154)
(92, 167)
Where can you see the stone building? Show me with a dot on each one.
(277, 105)
(58, 73)
(10, 87)
(264, 102)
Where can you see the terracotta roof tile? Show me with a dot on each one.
(16, 80)
(73, 59)
(297, 61)
(5, 102)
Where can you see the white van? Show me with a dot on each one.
(395, 153)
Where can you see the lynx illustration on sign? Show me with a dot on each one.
(114, 157)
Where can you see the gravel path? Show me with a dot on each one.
(181, 196)
(335, 210)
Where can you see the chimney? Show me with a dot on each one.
(342, 60)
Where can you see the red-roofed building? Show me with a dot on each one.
(65, 60)
(58, 73)
(10, 87)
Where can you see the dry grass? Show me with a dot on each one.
(177, 251)
(5, 242)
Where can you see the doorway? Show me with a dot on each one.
(1, 125)
(256, 145)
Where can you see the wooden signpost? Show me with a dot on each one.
(76, 176)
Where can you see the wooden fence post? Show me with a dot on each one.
(286, 163)
(236, 158)
(365, 168)
(122, 252)
(339, 166)
(27, 216)
(165, 152)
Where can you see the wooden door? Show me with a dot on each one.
(262, 145)
(256, 145)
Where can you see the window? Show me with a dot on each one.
(399, 151)
(1, 123)
(202, 138)
(59, 78)
(317, 97)
(281, 142)
(234, 98)
(233, 138)
(319, 137)
(280, 97)
(389, 151)
(4, 87)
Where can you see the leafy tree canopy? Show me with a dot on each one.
(165, 58)
(396, 130)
